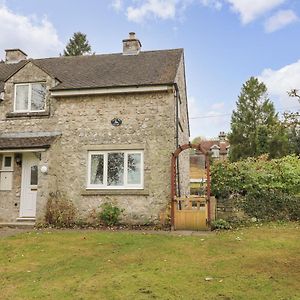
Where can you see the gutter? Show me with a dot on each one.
(111, 90)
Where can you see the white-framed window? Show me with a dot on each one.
(7, 162)
(215, 150)
(30, 97)
(115, 169)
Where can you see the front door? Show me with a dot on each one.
(29, 185)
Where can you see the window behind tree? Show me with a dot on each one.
(30, 97)
(115, 169)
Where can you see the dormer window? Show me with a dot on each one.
(30, 97)
(215, 150)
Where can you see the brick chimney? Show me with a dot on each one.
(222, 136)
(132, 45)
(14, 56)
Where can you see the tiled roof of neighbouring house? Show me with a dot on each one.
(207, 145)
(107, 70)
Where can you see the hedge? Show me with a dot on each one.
(265, 189)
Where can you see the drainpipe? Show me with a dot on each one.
(177, 98)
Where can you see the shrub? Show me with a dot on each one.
(270, 205)
(60, 212)
(220, 225)
(265, 189)
(110, 214)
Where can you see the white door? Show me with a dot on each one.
(29, 185)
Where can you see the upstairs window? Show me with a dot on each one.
(30, 97)
(215, 150)
(115, 169)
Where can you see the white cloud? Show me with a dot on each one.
(163, 9)
(281, 19)
(279, 82)
(249, 10)
(37, 39)
(117, 5)
(212, 3)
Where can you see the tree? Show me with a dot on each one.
(292, 123)
(255, 126)
(78, 45)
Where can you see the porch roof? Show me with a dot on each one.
(41, 142)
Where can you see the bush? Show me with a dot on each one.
(110, 214)
(270, 205)
(265, 189)
(220, 225)
(60, 212)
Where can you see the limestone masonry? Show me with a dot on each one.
(78, 118)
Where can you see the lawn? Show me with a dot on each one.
(253, 263)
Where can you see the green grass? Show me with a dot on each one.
(252, 263)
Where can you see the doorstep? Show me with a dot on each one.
(21, 222)
(17, 224)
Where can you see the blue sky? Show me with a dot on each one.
(225, 42)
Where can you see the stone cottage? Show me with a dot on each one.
(95, 129)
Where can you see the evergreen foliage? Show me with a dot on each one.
(255, 127)
(78, 45)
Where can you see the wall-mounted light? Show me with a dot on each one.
(44, 169)
(1, 97)
(18, 159)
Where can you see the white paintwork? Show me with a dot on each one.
(6, 180)
(117, 90)
(125, 186)
(22, 150)
(28, 191)
(29, 98)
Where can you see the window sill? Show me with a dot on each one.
(89, 192)
(41, 114)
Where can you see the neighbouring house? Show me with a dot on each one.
(94, 129)
(219, 150)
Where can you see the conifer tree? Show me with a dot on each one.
(78, 45)
(252, 121)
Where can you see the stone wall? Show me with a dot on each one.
(183, 132)
(85, 124)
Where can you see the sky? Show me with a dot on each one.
(225, 43)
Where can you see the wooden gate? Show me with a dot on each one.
(193, 212)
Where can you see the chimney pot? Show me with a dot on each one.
(14, 56)
(132, 35)
(132, 45)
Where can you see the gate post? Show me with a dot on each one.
(173, 190)
(208, 186)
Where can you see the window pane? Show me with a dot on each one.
(34, 175)
(134, 168)
(21, 97)
(38, 95)
(115, 169)
(7, 161)
(97, 162)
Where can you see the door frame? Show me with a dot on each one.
(24, 176)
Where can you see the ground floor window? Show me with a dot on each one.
(115, 169)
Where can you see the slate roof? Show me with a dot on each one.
(7, 70)
(26, 142)
(107, 70)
